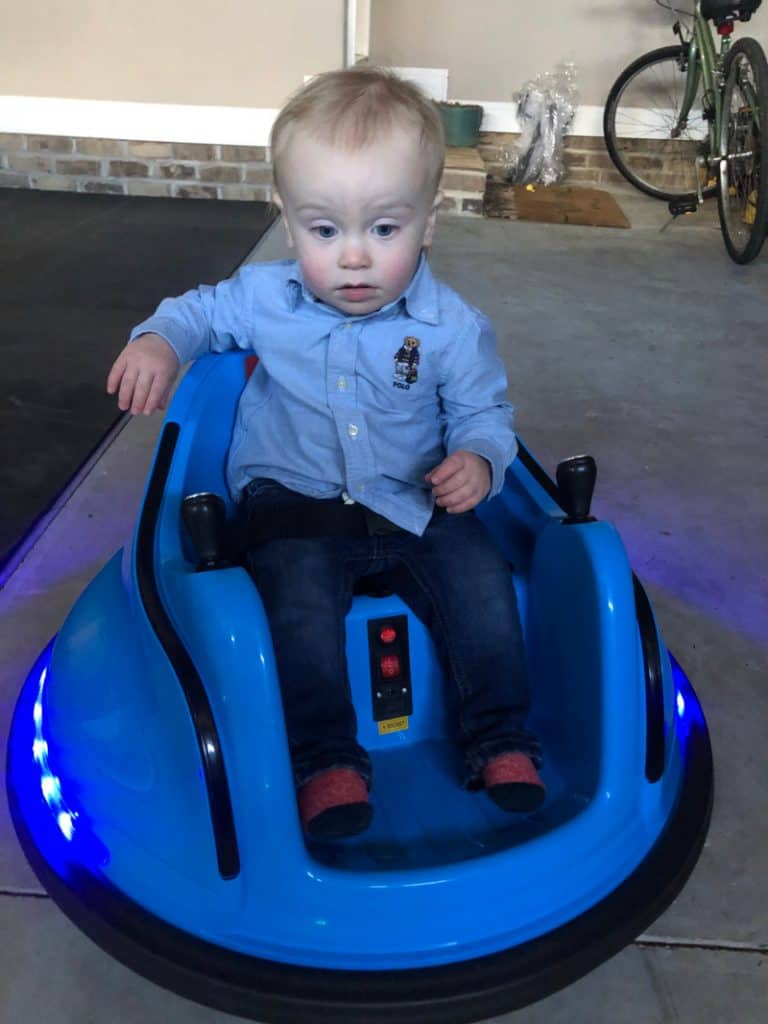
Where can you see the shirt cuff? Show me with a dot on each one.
(170, 331)
(497, 458)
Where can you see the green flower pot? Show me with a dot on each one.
(461, 122)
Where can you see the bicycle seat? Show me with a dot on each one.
(720, 10)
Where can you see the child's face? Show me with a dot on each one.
(358, 219)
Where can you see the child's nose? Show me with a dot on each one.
(354, 255)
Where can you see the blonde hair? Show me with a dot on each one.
(352, 107)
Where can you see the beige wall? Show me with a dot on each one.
(252, 53)
(248, 53)
(491, 47)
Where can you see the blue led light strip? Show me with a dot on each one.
(50, 784)
(680, 701)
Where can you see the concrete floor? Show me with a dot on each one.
(647, 350)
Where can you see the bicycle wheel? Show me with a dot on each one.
(639, 126)
(742, 199)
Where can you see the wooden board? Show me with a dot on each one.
(463, 158)
(554, 204)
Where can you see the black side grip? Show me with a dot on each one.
(654, 689)
(209, 743)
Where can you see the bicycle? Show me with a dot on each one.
(686, 122)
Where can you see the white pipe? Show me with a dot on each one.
(350, 32)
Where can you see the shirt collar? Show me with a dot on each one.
(420, 298)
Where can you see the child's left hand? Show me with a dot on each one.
(461, 481)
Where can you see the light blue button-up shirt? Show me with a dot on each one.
(359, 404)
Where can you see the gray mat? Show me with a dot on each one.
(78, 271)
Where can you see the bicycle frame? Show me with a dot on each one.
(704, 62)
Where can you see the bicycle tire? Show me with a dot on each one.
(742, 198)
(650, 159)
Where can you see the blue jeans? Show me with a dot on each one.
(453, 578)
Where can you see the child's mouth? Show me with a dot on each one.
(357, 292)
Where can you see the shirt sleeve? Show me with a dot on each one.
(478, 417)
(210, 318)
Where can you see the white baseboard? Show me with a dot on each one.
(502, 117)
(139, 122)
(175, 122)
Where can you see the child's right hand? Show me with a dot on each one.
(142, 374)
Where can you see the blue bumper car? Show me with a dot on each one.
(150, 785)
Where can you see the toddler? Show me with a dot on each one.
(374, 423)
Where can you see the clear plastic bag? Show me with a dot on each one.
(546, 109)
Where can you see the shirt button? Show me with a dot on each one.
(347, 326)
(352, 430)
(341, 383)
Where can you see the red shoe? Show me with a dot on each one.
(513, 783)
(334, 804)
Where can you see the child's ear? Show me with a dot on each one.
(278, 202)
(430, 228)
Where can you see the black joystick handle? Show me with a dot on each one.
(205, 516)
(576, 483)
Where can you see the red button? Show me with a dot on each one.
(390, 666)
(388, 635)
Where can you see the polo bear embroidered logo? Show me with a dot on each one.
(407, 363)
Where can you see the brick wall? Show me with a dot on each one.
(586, 159)
(201, 171)
(183, 170)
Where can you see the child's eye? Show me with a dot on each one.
(384, 230)
(323, 230)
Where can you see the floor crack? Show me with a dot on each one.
(28, 894)
(715, 945)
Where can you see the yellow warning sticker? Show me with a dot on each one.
(393, 725)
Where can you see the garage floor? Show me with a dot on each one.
(650, 351)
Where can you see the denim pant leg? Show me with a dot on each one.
(458, 582)
(306, 585)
